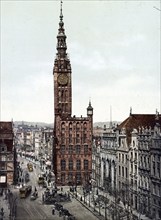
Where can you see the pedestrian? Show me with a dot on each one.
(60, 213)
(53, 211)
(43, 197)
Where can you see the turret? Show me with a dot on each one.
(89, 109)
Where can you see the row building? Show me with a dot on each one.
(127, 165)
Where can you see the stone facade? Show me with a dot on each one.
(108, 160)
(155, 173)
(134, 172)
(150, 172)
(96, 162)
(131, 155)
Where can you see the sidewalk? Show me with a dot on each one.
(4, 205)
(101, 204)
(8, 203)
(87, 202)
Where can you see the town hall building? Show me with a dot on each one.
(72, 148)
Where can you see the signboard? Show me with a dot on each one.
(2, 179)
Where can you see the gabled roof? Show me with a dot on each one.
(140, 120)
(6, 127)
(134, 121)
(6, 130)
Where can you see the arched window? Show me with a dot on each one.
(63, 126)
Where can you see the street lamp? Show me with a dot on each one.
(84, 194)
(93, 202)
(89, 198)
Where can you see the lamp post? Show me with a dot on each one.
(84, 194)
(94, 203)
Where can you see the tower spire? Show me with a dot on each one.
(61, 13)
(61, 37)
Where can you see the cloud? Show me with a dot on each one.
(114, 49)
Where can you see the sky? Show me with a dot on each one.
(114, 49)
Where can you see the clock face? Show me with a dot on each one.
(62, 79)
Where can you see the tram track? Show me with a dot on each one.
(27, 209)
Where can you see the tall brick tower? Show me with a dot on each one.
(72, 148)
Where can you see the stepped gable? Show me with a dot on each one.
(134, 121)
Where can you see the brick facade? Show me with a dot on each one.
(72, 153)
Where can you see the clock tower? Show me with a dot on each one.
(72, 144)
(62, 74)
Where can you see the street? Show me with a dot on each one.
(36, 209)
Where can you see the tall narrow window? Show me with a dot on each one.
(78, 164)
(70, 138)
(123, 171)
(119, 170)
(85, 149)
(122, 158)
(77, 149)
(70, 164)
(158, 169)
(126, 172)
(77, 138)
(85, 132)
(70, 133)
(63, 165)
(85, 164)
(154, 168)
(70, 149)
(62, 149)
(77, 133)
(63, 133)
(70, 177)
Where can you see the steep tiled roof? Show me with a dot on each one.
(134, 121)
